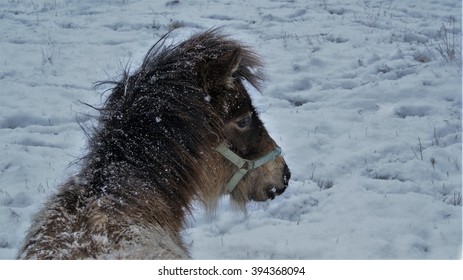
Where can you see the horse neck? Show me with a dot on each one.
(155, 200)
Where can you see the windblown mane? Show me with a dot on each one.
(179, 124)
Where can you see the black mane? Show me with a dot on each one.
(159, 116)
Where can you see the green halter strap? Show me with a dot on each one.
(244, 165)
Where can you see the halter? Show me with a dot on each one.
(244, 165)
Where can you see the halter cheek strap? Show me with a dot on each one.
(244, 165)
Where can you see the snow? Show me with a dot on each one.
(365, 106)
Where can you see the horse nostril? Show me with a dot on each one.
(286, 174)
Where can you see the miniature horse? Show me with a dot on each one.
(181, 128)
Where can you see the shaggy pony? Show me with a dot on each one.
(153, 153)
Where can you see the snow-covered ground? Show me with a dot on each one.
(364, 97)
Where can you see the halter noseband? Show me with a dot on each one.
(244, 165)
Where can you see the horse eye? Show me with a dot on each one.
(244, 122)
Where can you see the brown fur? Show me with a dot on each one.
(152, 154)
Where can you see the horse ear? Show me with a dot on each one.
(221, 70)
